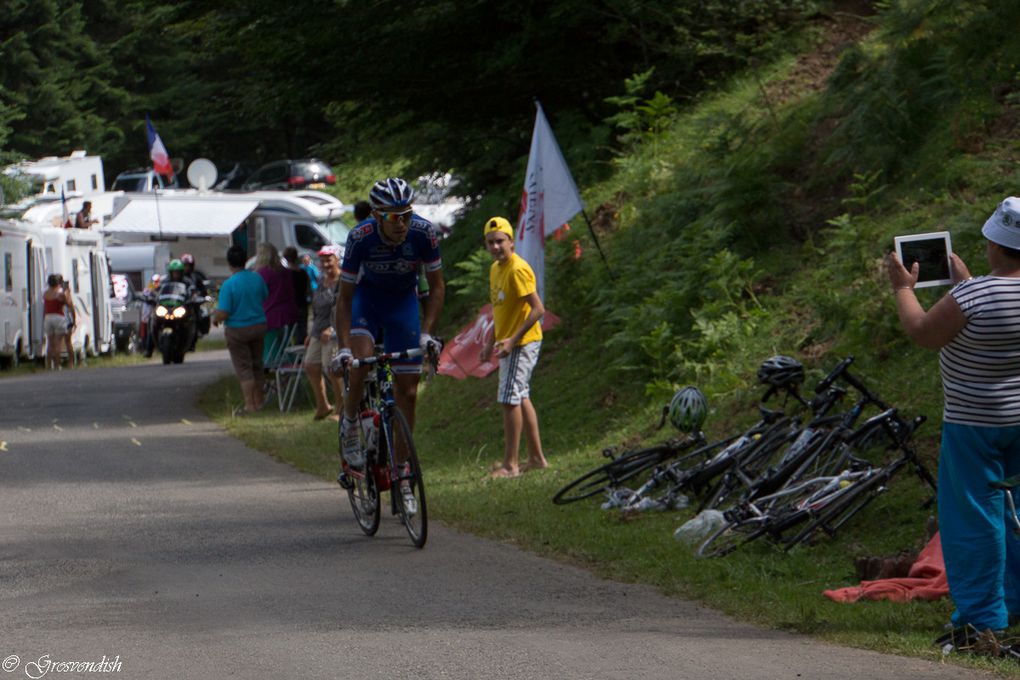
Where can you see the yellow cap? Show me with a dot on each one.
(498, 224)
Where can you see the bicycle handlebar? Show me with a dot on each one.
(841, 373)
(386, 356)
(835, 373)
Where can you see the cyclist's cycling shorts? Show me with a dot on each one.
(395, 316)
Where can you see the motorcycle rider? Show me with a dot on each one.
(176, 291)
(150, 297)
(198, 280)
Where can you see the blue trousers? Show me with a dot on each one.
(981, 553)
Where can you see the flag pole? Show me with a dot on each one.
(595, 238)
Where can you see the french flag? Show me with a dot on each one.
(157, 152)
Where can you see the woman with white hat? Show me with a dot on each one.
(976, 328)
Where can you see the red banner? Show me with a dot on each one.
(461, 356)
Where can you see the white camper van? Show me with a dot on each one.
(76, 175)
(30, 253)
(206, 224)
(23, 271)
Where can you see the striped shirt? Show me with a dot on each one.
(981, 365)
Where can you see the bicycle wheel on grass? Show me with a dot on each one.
(732, 536)
(612, 474)
(414, 514)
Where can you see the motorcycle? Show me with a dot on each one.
(174, 321)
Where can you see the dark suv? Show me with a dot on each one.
(306, 173)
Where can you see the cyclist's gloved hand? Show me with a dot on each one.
(339, 360)
(429, 344)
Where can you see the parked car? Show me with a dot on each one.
(142, 179)
(306, 173)
(233, 178)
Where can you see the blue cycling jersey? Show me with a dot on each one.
(370, 260)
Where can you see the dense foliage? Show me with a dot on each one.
(439, 84)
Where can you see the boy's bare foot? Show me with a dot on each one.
(530, 465)
(503, 473)
(319, 415)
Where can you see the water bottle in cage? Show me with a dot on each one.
(370, 426)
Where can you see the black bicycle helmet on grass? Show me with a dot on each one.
(688, 409)
(780, 371)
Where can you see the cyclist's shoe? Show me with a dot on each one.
(344, 480)
(407, 493)
(350, 444)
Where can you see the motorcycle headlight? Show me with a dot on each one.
(161, 311)
(180, 312)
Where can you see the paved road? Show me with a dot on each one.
(167, 546)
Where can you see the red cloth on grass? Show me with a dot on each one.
(926, 581)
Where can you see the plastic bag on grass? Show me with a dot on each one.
(701, 527)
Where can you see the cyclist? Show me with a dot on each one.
(379, 295)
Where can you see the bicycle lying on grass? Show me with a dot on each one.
(391, 460)
(687, 411)
(779, 478)
(798, 512)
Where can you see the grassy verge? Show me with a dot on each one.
(582, 411)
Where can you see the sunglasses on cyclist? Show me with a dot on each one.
(395, 216)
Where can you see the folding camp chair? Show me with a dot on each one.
(288, 376)
(274, 358)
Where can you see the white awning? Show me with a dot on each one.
(185, 216)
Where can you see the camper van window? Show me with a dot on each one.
(8, 273)
(74, 276)
(95, 182)
(71, 185)
(308, 237)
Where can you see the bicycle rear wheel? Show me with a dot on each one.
(612, 474)
(411, 507)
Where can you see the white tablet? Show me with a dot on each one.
(932, 252)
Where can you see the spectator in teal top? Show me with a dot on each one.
(239, 309)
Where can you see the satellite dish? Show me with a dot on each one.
(202, 173)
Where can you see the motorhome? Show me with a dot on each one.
(76, 175)
(30, 252)
(205, 224)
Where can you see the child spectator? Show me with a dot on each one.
(517, 311)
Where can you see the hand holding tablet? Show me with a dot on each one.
(932, 252)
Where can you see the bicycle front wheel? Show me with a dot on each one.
(364, 496)
(409, 489)
(363, 491)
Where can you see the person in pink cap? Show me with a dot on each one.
(321, 342)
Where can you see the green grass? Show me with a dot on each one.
(582, 410)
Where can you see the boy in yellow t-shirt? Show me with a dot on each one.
(517, 311)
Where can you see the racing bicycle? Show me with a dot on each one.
(391, 460)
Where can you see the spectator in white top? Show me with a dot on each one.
(976, 327)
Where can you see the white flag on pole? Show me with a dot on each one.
(550, 198)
